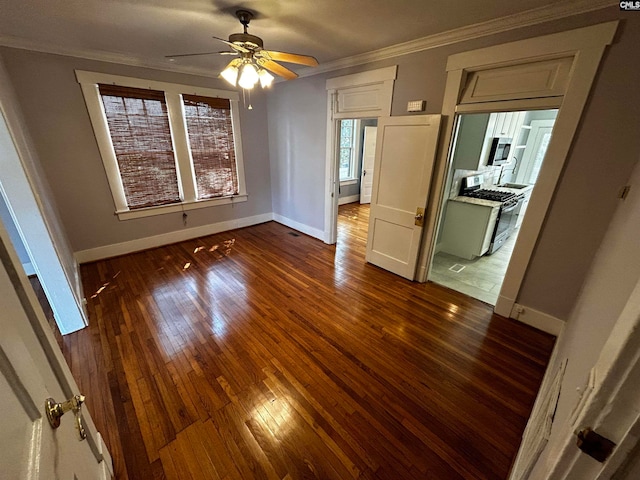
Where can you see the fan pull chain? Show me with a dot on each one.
(246, 93)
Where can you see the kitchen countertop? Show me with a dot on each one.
(476, 201)
(526, 189)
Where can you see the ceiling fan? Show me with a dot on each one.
(254, 63)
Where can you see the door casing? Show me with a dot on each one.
(372, 92)
(586, 46)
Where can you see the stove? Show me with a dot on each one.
(510, 204)
(471, 187)
(487, 194)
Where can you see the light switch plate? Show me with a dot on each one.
(416, 106)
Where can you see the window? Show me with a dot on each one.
(211, 144)
(165, 147)
(139, 129)
(348, 154)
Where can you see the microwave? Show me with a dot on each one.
(499, 151)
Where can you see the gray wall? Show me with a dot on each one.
(604, 151)
(57, 119)
(297, 133)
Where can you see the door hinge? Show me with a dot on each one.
(594, 444)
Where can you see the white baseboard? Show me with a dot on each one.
(349, 199)
(534, 318)
(107, 251)
(301, 227)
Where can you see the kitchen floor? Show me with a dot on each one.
(480, 278)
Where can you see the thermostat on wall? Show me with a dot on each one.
(416, 106)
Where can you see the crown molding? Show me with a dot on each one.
(527, 18)
(555, 11)
(100, 55)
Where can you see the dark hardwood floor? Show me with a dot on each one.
(263, 353)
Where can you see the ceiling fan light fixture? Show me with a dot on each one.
(230, 74)
(266, 79)
(248, 76)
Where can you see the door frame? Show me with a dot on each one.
(381, 81)
(37, 221)
(586, 46)
(362, 169)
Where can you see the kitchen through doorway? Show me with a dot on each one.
(494, 164)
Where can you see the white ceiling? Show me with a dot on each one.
(144, 31)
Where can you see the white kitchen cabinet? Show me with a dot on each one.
(468, 228)
(505, 124)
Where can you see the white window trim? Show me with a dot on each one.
(184, 167)
(355, 157)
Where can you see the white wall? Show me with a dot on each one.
(614, 273)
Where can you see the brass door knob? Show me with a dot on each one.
(55, 411)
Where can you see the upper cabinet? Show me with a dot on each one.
(475, 132)
(505, 124)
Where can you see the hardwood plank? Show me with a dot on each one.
(259, 353)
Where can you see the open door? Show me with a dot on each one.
(608, 408)
(405, 156)
(32, 370)
(368, 164)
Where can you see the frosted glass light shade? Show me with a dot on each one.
(248, 76)
(266, 79)
(230, 74)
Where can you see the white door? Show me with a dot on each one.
(368, 162)
(405, 155)
(612, 406)
(32, 369)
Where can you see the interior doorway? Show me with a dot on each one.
(493, 168)
(36, 231)
(356, 149)
(355, 155)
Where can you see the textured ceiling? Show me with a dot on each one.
(144, 31)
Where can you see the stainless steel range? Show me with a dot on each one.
(510, 204)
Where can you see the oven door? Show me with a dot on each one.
(505, 225)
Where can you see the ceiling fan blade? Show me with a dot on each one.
(276, 68)
(233, 45)
(204, 53)
(289, 57)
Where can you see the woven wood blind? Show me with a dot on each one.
(139, 129)
(212, 148)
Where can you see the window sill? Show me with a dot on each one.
(179, 207)
(352, 181)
